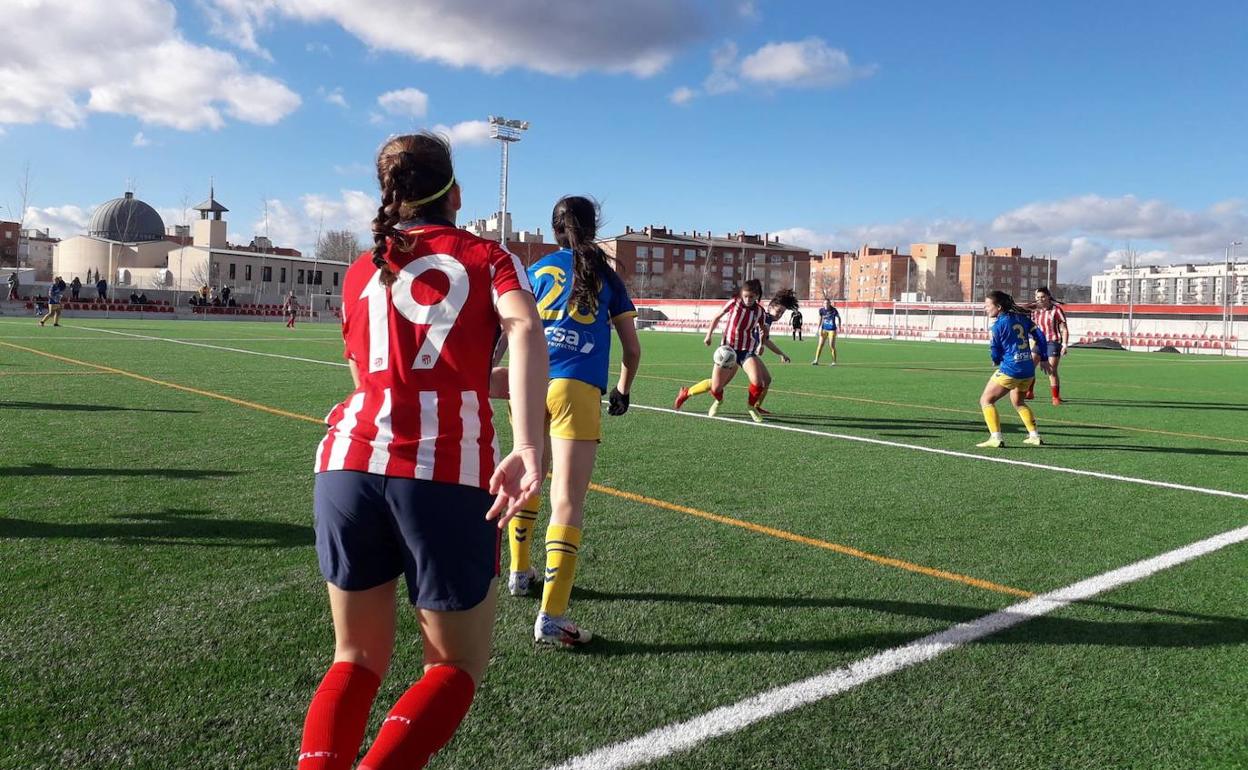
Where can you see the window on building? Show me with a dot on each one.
(316, 277)
(246, 272)
(283, 278)
(643, 268)
(728, 270)
(232, 267)
(656, 268)
(690, 255)
(299, 277)
(266, 274)
(335, 279)
(643, 252)
(657, 252)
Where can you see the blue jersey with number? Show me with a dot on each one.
(579, 341)
(829, 318)
(1010, 345)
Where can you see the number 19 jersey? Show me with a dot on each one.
(423, 349)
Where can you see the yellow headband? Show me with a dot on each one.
(431, 198)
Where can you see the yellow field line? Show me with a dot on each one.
(654, 502)
(952, 410)
(825, 544)
(174, 385)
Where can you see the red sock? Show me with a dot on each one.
(1057, 391)
(718, 395)
(423, 721)
(334, 728)
(755, 392)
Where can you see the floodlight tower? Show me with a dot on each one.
(505, 131)
(1228, 295)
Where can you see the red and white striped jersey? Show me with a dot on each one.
(1049, 320)
(743, 324)
(423, 349)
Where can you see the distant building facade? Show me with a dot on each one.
(10, 240)
(1172, 284)
(529, 246)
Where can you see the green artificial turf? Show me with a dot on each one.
(163, 608)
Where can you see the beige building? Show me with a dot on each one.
(1172, 284)
(125, 235)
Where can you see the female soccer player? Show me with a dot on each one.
(785, 299)
(407, 481)
(1051, 319)
(580, 300)
(744, 332)
(1016, 346)
(291, 306)
(56, 291)
(829, 320)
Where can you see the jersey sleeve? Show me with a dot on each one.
(620, 305)
(995, 349)
(507, 273)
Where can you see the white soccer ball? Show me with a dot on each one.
(725, 357)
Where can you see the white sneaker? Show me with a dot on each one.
(754, 415)
(522, 583)
(714, 410)
(560, 630)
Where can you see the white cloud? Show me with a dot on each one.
(682, 95)
(801, 64)
(147, 69)
(62, 221)
(639, 37)
(334, 97)
(140, 140)
(466, 134)
(405, 102)
(748, 9)
(723, 66)
(1086, 233)
(297, 224)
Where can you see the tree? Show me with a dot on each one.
(942, 287)
(338, 246)
(682, 284)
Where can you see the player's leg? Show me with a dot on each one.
(720, 377)
(522, 578)
(1055, 380)
(1025, 413)
(360, 562)
(451, 564)
(832, 346)
(696, 389)
(821, 335)
(994, 390)
(760, 379)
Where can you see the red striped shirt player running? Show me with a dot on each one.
(745, 331)
(407, 477)
(1047, 314)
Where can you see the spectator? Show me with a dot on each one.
(75, 287)
(203, 294)
(134, 298)
(143, 298)
(226, 291)
(101, 288)
(14, 284)
(55, 292)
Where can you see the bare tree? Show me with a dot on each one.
(200, 275)
(683, 285)
(338, 246)
(943, 288)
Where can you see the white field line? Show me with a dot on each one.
(732, 718)
(774, 426)
(217, 347)
(950, 453)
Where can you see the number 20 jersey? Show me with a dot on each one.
(423, 349)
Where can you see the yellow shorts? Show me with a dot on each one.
(574, 409)
(828, 334)
(1012, 383)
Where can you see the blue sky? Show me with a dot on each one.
(1067, 128)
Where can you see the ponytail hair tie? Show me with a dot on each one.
(430, 198)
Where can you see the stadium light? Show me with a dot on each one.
(506, 131)
(1228, 298)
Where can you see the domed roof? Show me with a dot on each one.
(126, 219)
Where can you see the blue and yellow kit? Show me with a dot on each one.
(1011, 342)
(579, 343)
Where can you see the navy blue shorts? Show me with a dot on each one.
(743, 356)
(370, 529)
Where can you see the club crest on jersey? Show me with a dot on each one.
(569, 339)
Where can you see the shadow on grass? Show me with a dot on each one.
(53, 406)
(55, 471)
(1158, 449)
(172, 526)
(1201, 630)
(1203, 406)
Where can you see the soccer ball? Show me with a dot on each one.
(725, 357)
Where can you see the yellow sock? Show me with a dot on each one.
(702, 387)
(520, 534)
(993, 419)
(562, 544)
(1029, 419)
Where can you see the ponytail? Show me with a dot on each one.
(1007, 303)
(415, 174)
(575, 224)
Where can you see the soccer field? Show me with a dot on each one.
(163, 607)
